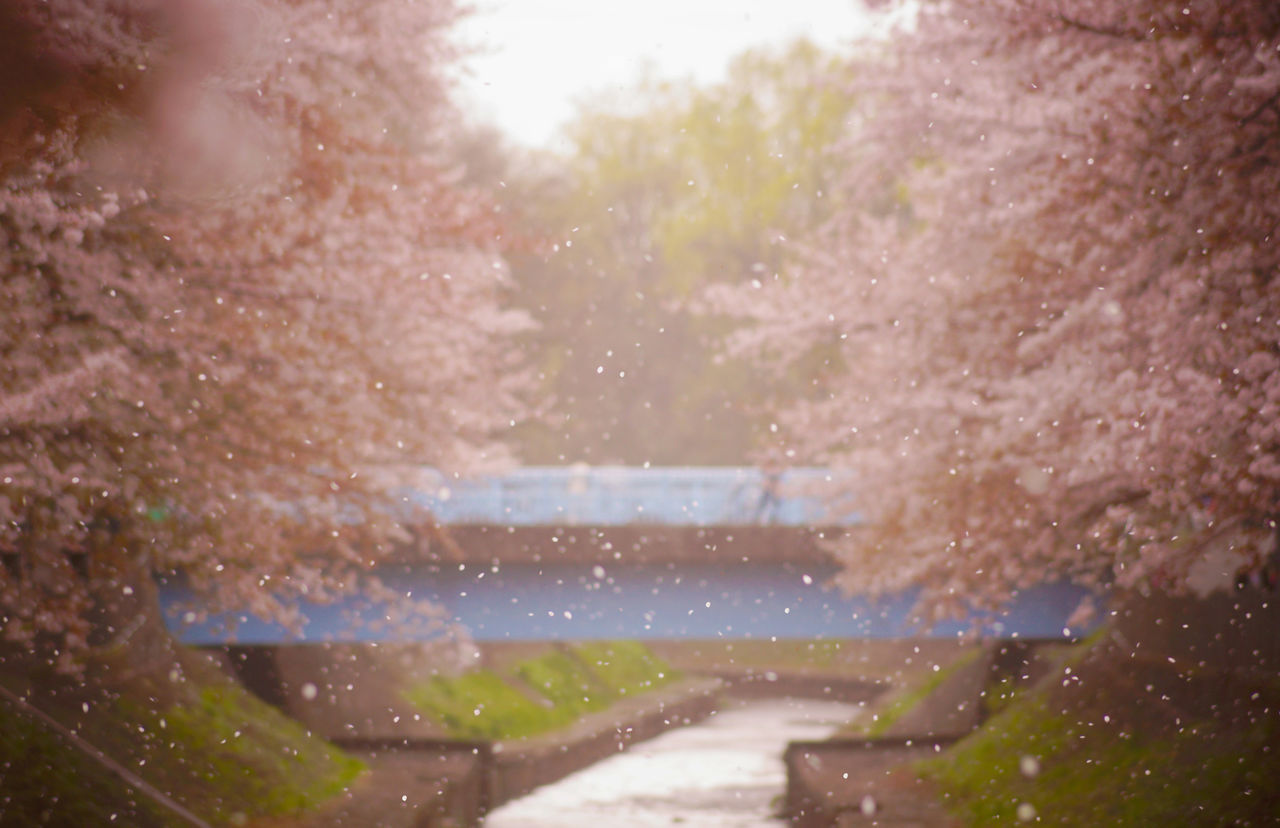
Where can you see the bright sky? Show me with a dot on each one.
(541, 55)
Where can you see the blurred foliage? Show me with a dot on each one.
(684, 187)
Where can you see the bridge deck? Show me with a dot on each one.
(614, 496)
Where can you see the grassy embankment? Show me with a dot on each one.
(897, 704)
(1111, 738)
(190, 732)
(541, 693)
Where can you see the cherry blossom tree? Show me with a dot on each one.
(238, 278)
(1056, 302)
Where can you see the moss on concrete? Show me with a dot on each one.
(185, 728)
(566, 682)
(625, 666)
(541, 693)
(45, 781)
(480, 705)
(1112, 741)
(1034, 757)
(246, 757)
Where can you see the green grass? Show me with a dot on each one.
(201, 738)
(1064, 753)
(625, 666)
(558, 687)
(566, 682)
(45, 781)
(1002, 694)
(480, 705)
(1199, 777)
(246, 757)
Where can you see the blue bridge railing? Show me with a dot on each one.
(629, 495)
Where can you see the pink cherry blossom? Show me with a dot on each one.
(1054, 296)
(239, 282)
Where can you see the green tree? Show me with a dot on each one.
(660, 199)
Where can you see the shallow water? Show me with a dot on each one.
(726, 771)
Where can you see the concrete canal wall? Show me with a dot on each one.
(848, 779)
(474, 776)
(343, 690)
(352, 695)
(356, 702)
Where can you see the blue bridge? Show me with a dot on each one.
(583, 552)
(626, 496)
(586, 514)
